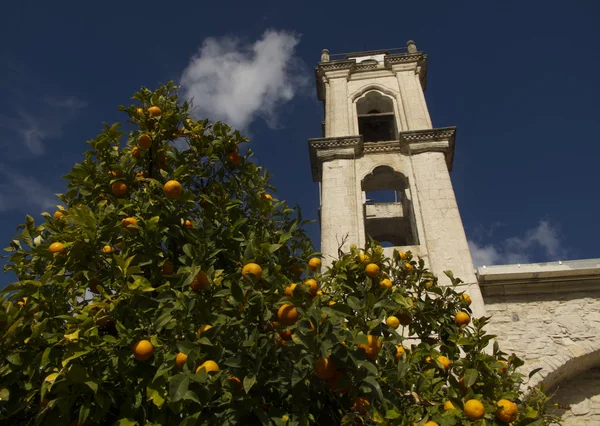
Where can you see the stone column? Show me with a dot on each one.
(444, 232)
(338, 210)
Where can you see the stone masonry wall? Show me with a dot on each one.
(558, 332)
(581, 394)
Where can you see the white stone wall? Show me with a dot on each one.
(558, 332)
(338, 207)
(579, 399)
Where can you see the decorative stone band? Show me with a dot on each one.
(409, 143)
(428, 140)
(418, 59)
(540, 278)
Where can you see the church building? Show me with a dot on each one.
(384, 172)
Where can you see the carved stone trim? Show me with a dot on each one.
(428, 140)
(326, 149)
(388, 61)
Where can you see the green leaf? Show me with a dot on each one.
(126, 422)
(4, 394)
(392, 414)
(249, 381)
(534, 371)
(372, 382)
(178, 386)
(470, 377)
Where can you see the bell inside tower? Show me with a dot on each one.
(376, 117)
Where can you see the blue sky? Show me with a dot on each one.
(518, 79)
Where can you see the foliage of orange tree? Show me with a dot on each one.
(172, 288)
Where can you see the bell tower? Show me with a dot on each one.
(383, 170)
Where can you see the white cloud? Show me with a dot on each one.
(22, 192)
(47, 120)
(544, 238)
(235, 82)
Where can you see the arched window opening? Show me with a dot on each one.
(376, 117)
(388, 210)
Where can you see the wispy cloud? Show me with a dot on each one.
(33, 126)
(23, 192)
(543, 239)
(237, 82)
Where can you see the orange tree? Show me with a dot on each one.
(172, 288)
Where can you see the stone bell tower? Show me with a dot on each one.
(383, 170)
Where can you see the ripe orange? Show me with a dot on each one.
(188, 224)
(312, 286)
(162, 161)
(203, 328)
(130, 224)
(465, 298)
(372, 348)
(361, 405)
(154, 111)
(287, 314)
(139, 176)
(507, 411)
(200, 281)
(266, 196)
(402, 255)
(462, 318)
(461, 384)
(252, 268)
(208, 366)
(139, 111)
(108, 249)
(448, 406)
(234, 158)
(363, 258)
(474, 409)
(285, 334)
(237, 383)
(57, 248)
(372, 270)
(58, 215)
(144, 141)
(136, 152)
(408, 267)
(444, 361)
(143, 350)
(181, 359)
(431, 423)
(404, 319)
(503, 369)
(297, 270)
(324, 368)
(399, 351)
(334, 382)
(385, 283)
(119, 189)
(289, 290)
(314, 264)
(167, 268)
(393, 322)
(173, 189)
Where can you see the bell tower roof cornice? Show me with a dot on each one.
(372, 60)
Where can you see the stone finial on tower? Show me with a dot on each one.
(325, 55)
(411, 46)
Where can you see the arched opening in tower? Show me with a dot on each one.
(376, 117)
(388, 210)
